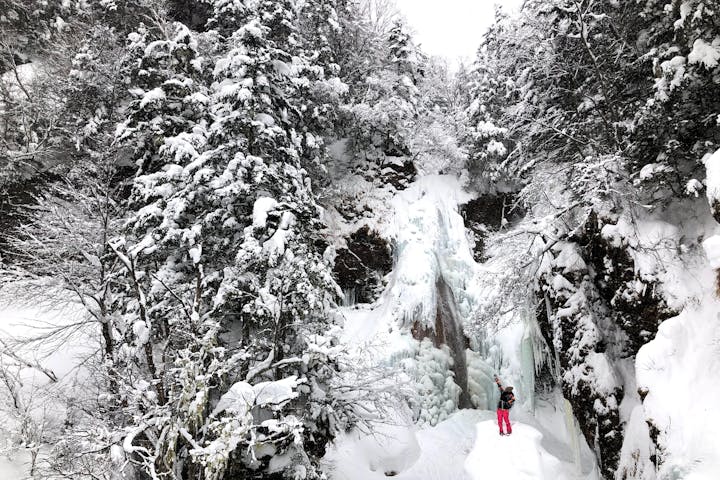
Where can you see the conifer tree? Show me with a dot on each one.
(221, 252)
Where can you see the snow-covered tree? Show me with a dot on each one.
(229, 287)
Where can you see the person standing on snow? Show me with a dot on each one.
(507, 399)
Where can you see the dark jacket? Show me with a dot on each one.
(507, 399)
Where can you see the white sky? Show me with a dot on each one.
(451, 28)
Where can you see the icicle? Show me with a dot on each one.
(349, 297)
(571, 427)
(570, 422)
(527, 362)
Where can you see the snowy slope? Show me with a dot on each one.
(466, 446)
(519, 456)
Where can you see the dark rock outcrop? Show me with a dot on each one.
(361, 267)
(634, 303)
(485, 214)
(398, 174)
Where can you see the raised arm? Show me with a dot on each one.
(497, 380)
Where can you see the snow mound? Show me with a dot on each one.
(706, 53)
(518, 456)
(387, 450)
(678, 370)
(466, 446)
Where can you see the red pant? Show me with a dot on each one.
(504, 415)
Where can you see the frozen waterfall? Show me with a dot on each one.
(420, 326)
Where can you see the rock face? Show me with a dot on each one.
(485, 210)
(597, 311)
(633, 303)
(585, 366)
(485, 214)
(360, 268)
(454, 338)
(399, 173)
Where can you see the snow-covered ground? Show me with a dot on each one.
(15, 465)
(465, 446)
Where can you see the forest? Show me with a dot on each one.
(275, 239)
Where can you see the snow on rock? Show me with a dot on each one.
(153, 95)
(277, 392)
(602, 371)
(496, 148)
(568, 257)
(265, 119)
(275, 245)
(693, 187)
(653, 169)
(635, 457)
(141, 332)
(653, 244)
(195, 254)
(677, 371)
(712, 250)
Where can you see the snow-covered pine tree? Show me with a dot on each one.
(403, 54)
(489, 88)
(384, 113)
(226, 282)
(320, 92)
(358, 45)
(167, 75)
(677, 124)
